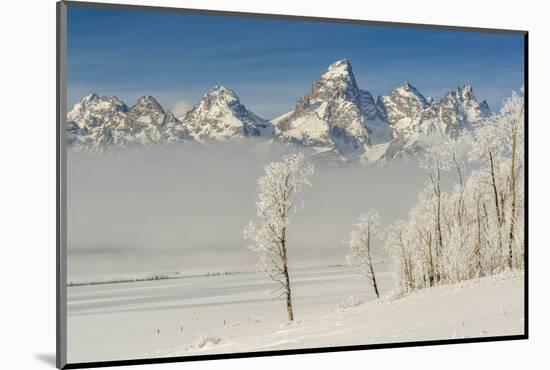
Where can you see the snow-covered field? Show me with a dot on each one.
(334, 306)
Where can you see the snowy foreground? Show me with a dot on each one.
(334, 306)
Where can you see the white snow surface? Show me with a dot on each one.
(334, 306)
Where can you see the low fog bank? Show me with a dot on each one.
(184, 209)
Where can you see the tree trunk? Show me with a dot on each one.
(431, 268)
(288, 292)
(485, 218)
(495, 189)
(288, 296)
(407, 264)
(410, 273)
(477, 252)
(375, 286)
(513, 184)
(460, 205)
(439, 244)
(371, 268)
(498, 205)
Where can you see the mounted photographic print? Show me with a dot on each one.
(235, 185)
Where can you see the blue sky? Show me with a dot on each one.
(271, 63)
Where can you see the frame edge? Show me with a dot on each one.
(61, 263)
(61, 238)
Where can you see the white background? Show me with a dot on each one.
(27, 182)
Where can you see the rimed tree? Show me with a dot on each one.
(360, 245)
(277, 201)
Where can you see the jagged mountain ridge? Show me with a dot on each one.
(97, 123)
(414, 118)
(335, 118)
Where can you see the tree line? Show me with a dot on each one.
(477, 228)
(474, 230)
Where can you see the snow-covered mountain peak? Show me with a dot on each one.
(336, 82)
(221, 116)
(334, 116)
(413, 117)
(409, 91)
(463, 96)
(466, 89)
(147, 102)
(401, 103)
(407, 86)
(90, 97)
(148, 112)
(217, 102)
(221, 93)
(464, 92)
(92, 108)
(335, 119)
(459, 110)
(339, 69)
(99, 123)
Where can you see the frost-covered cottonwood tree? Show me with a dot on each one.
(437, 158)
(402, 252)
(360, 244)
(499, 147)
(277, 201)
(512, 118)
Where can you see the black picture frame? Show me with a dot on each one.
(61, 237)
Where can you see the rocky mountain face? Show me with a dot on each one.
(459, 110)
(220, 116)
(336, 118)
(414, 118)
(401, 103)
(98, 123)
